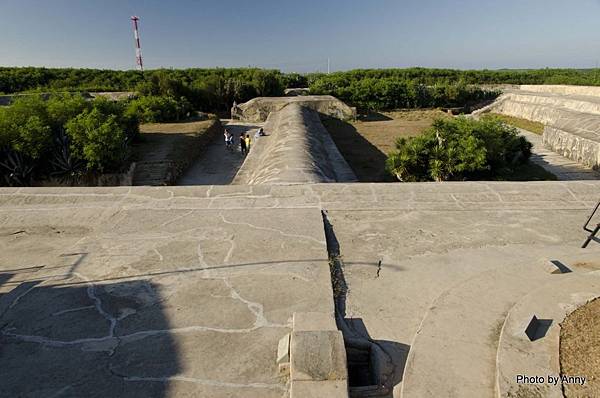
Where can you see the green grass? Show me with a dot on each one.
(534, 127)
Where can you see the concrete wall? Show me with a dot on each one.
(297, 150)
(571, 115)
(562, 89)
(257, 110)
(575, 147)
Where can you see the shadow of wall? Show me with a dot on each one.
(82, 340)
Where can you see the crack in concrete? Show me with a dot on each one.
(160, 256)
(59, 313)
(61, 391)
(19, 297)
(111, 342)
(282, 233)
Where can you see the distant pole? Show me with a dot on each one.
(138, 46)
(328, 66)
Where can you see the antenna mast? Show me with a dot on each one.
(138, 46)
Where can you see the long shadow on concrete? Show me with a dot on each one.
(212, 268)
(81, 341)
(365, 159)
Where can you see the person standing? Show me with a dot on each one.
(243, 146)
(227, 135)
(248, 142)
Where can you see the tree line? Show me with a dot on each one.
(214, 90)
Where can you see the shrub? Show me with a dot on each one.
(64, 107)
(98, 139)
(62, 137)
(457, 149)
(129, 122)
(154, 109)
(25, 127)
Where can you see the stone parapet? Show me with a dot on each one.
(296, 150)
(258, 110)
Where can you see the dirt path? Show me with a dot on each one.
(365, 143)
(217, 165)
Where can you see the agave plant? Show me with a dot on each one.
(66, 167)
(16, 169)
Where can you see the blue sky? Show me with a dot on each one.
(300, 35)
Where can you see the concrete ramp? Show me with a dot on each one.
(297, 150)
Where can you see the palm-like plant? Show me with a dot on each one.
(16, 169)
(66, 167)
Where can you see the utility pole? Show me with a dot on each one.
(328, 66)
(138, 46)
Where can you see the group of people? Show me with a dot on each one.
(244, 140)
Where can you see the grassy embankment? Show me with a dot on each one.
(534, 127)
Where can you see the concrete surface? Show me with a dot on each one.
(132, 300)
(296, 150)
(320, 389)
(518, 354)
(448, 278)
(258, 109)
(216, 165)
(186, 291)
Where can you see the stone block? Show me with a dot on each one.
(283, 349)
(319, 389)
(317, 356)
(313, 321)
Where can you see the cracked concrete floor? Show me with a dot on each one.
(185, 291)
(154, 303)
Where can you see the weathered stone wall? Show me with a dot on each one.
(578, 148)
(257, 110)
(296, 150)
(563, 89)
(570, 113)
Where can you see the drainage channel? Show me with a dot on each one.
(370, 368)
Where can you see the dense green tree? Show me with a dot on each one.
(97, 138)
(154, 109)
(25, 127)
(64, 107)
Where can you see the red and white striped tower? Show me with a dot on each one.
(138, 46)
